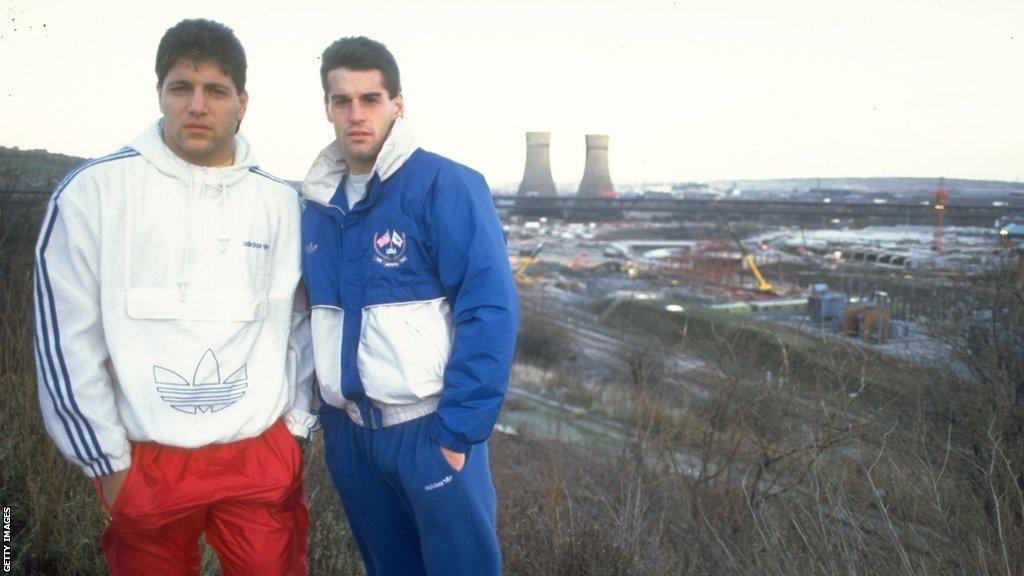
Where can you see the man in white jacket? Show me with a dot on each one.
(172, 350)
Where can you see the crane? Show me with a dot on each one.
(763, 286)
(520, 275)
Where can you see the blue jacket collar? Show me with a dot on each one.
(329, 167)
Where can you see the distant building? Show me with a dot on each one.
(830, 192)
(694, 191)
(1013, 231)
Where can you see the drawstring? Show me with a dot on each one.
(183, 277)
(223, 238)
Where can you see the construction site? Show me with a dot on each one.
(859, 278)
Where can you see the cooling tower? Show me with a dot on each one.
(596, 180)
(537, 179)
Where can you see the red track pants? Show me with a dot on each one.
(246, 496)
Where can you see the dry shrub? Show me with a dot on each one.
(540, 341)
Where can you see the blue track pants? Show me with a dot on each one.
(410, 512)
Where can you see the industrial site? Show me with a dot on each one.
(860, 269)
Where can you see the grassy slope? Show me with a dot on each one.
(820, 367)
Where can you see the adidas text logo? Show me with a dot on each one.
(438, 484)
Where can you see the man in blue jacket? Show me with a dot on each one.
(414, 317)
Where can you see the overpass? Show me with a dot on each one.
(773, 211)
(776, 211)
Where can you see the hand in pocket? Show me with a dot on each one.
(455, 459)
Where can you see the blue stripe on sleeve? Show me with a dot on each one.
(58, 385)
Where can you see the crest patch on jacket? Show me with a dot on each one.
(389, 248)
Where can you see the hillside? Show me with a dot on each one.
(33, 169)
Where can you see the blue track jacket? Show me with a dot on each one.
(413, 302)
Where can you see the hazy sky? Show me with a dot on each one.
(687, 90)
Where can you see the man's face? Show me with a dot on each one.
(202, 110)
(362, 114)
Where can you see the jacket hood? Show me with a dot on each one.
(151, 146)
(329, 167)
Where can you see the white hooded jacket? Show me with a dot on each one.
(166, 307)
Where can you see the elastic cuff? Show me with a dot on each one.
(439, 434)
(117, 464)
(301, 423)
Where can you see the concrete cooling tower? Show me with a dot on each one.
(596, 180)
(537, 179)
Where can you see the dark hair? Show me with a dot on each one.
(361, 53)
(201, 40)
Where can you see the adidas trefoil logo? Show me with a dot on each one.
(310, 248)
(206, 392)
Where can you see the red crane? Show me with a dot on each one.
(941, 197)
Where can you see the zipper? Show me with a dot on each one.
(183, 268)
